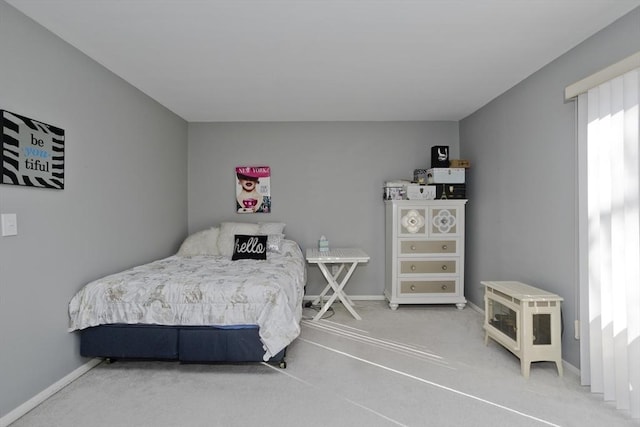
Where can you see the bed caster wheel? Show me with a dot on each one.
(109, 360)
(283, 365)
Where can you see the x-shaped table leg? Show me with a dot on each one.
(337, 289)
(326, 289)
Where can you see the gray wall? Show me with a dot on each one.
(124, 200)
(327, 178)
(522, 217)
(126, 174)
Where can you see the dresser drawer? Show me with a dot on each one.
(441, 266)
(409, 247)
(427, 286)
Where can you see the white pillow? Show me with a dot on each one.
(228, 230)
(203, 242)
(274, 243)
(271, 227)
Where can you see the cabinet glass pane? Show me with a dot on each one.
(503, 319)
(541, 329)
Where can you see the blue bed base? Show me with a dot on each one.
(188, 344)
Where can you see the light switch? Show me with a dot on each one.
(9, 224)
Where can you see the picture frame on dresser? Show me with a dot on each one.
(424, 252)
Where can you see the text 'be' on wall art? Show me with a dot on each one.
(253, 189)
(31, 152)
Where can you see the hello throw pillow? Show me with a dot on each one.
(249, 247)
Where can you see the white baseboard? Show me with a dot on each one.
(382, 298)
(569, 367)
(475, 307)
(47, 393)
(353, 297)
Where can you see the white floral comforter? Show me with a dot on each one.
(202, 290)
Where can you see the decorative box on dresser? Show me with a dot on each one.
(424, 252)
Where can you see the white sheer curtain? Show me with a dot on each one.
(609, 239)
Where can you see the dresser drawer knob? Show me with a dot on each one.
(444, 247)
(444, 267)
(413, 247)
(413, 287)
(443, 287)
(413, 267)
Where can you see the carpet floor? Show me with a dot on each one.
(416, 366)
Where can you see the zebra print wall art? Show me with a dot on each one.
(31, 152)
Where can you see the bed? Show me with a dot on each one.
(232, 293)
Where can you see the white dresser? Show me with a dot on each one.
(424, 252)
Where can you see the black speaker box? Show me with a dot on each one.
(440, 156)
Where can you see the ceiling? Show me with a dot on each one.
(323, 60)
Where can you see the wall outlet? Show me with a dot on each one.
(576, 329)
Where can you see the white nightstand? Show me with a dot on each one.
(348, 258)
